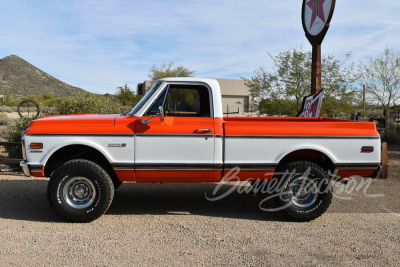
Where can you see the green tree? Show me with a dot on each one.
(381, 75)
(281, 91)
(126, 96)
(168, 70)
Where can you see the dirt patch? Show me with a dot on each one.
(12, 115)
(174, 224)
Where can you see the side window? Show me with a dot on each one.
(183, 101)
(187, 101)
(159, 102)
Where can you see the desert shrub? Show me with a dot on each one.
(48, 97)
(13, 133)
(391, 138)
(6, 109)
(393, 127)
(11, 102)
(4, 120)
(87, 104)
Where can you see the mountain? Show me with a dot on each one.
(20, 78)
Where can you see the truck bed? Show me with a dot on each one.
(293, 126)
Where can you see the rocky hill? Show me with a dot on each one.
(20, 78)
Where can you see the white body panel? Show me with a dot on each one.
(180, 150)
(52, 143)
(272, 150)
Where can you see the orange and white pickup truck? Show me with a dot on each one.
(177, 134)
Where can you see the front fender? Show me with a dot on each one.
(52, 144)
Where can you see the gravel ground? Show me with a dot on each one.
(174, 224)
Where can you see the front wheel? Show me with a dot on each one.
(307, 191)
(80, 191)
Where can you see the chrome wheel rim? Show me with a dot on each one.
(303, 192)
(79, 192)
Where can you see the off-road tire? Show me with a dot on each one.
(309, 206)
(80, 191)
(117, 183)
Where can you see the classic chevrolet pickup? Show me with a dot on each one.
(177, 133)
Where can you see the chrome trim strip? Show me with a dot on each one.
(299, 137)
(357, 166)
(172, 169)
(219, 136)
(176, 166)
(175, 135)
(251, 169)
(75, 134)
(247, 166)
(201, 167)
(123, 169)
(125, 165)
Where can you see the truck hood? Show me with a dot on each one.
(72, 123)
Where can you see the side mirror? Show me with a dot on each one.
(161, 109)
(161, 114)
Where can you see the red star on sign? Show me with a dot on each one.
(317, 7)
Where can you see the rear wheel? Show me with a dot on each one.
(80, 191)
(307, 191)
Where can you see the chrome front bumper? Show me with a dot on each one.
(25, 167)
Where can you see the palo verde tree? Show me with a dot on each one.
(281, 91)
(381, 75)
(126, 96)
(168, 70)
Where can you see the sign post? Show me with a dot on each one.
(316, 16)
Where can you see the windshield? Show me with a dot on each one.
(140, 104)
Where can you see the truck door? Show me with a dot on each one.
(180, 148)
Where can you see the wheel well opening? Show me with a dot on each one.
(315, 156)
(77, 151)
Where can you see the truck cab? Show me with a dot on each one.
(185, 142)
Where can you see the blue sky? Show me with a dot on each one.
(100, 45)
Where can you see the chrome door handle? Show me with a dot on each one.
(205, 130)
